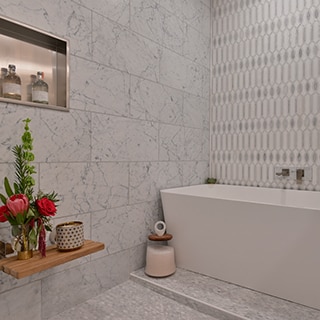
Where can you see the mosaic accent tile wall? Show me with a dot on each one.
(265, 92)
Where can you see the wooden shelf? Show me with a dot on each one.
(23, 268)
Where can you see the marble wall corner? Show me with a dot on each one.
(23, 302)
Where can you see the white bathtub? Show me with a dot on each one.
(260, 238)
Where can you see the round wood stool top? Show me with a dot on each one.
(165, 237)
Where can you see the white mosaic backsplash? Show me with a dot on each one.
(265, 91)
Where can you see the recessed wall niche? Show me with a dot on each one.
(32, 50)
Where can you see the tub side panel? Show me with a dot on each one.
(271, 249)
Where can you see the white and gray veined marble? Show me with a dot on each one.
(27, 306)
(71, 21)
(118, 11)
(224, 300)
(148, 178)
(155, 102)
(155, 22)
(86, 187)
(122, 139)
(181, 73)
(194, 13)
(129, 226)
(97, 88)
(135, 85)
(120, 48)
(195, 111)
(132, 301)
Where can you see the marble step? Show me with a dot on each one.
(223, 300)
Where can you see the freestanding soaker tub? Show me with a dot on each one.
(260, 238)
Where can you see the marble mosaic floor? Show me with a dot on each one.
(185, 296)
(131, 301)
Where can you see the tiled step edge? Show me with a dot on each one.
(186, 300)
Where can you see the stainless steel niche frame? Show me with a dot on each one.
(32, 50)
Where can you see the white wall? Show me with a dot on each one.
(138, 122)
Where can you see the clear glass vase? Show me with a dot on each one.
(21, 242)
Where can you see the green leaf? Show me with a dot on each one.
(33, 236)
(15, 231)
(7, 187)
(20, 218)
(3, 198)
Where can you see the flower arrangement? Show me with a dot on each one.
(28, 215)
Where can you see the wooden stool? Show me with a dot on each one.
(160, 260)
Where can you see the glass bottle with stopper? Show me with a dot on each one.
(40, 90)
(11, 86)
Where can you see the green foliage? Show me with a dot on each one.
(24, 170)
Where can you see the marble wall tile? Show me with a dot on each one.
(119, 48)
(155, 102)
(195, 111)
(195, 172)
(86, 187)
(197, 81)
(196, 144)
(128, 226)
(171, 142)
(97, 88)
(52, 132)
(194, 12)
(197, 47)
(118, 11)
(68, 288)
(61, 137)
(148, 178)
(12, 114)
(22, 303)
(178, 72)
(70, 21)
(122, 139)
(158, 24)
(173, 70)
(85, 154)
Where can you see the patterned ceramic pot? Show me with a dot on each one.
(69, 235)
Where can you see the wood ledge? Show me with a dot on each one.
(23, 268)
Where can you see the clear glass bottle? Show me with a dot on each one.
(40, 90)
(4, 72)
(33, 79)
(11, 85)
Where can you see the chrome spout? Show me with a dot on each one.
(299, 175)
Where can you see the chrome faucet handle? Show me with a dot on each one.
(283, 173)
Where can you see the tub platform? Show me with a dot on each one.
(222, 300)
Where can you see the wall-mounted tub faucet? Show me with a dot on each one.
(299, 175)
(283, 173)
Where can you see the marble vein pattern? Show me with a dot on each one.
(122, 139)
(195, 13)
(155, 102)
(132, 301)
(195, 111)
(181, 73)
(195, 172)
(118, 11)
(97, 88)
(86, 187)
(73, 22)
(29, 295)
(227, 300)
(120, 48)
(148, 178)
(129, 226)
(156, 23)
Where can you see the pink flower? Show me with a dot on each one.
(18, 204)
(3, 213)
(46, 207)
